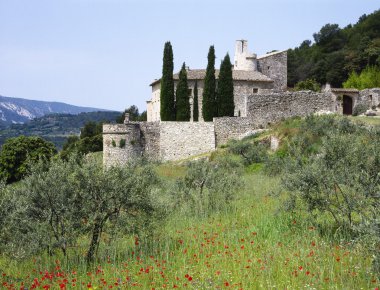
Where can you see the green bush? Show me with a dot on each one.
(53, 209)
(368, 78)
(359, 109)
(340, 182)
(250, 150)
(208, 187)
(17, 154)
(309, 84)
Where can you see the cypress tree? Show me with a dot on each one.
(195, 104)
(225, 101)
(182, 97)
(167, 102)
(208, 102)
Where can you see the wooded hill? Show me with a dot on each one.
(56, 127)
(336, 52)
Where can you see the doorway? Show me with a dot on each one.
(347, 105)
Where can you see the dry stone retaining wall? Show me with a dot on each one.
(179, 140)
(228, 128)
(269, 108)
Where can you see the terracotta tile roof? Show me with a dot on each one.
(238, 75)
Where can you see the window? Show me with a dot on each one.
(189, 91)
(255, 90)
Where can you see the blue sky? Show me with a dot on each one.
(105, 53)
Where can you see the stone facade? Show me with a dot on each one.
(251, 75)
(274, 65)
(179, 140)
(121, 142)
(347, 99)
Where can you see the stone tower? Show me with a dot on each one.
(243, 59)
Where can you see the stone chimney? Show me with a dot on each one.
(126, 118)
(243, 59)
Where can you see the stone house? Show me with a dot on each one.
(251, 75)
(260, 98)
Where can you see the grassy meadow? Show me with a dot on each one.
(249, 243)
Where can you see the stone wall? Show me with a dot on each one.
(268, 108)
(179, 140)
(275, 66)
(121, 143)
(369, 97)
(227, 128)
(243, 89)
(150, 139)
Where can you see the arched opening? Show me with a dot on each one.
(347, 105)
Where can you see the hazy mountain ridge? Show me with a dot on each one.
(17, 110)
(56, 127)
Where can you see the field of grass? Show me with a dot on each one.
(251, 245)
(373, 121)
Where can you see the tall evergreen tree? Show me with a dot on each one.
(182, 97)
(209, 93)
(195, 104)
(167, 101)
(225, 95)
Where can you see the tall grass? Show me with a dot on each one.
(247, 245)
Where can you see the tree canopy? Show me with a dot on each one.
(195, 103)
(225, 95)
(167, 101)
(209, 93)
(17, 154)
(182, 97)
(368, 78)
(134, 115)
(336, 52)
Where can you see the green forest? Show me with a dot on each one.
(336, 52)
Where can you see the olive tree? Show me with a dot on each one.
(53, 207)
(342, 181)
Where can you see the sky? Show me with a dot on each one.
(105, 53)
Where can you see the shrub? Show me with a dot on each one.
(51, 209)
(359, 109)
(368, 78)
(208, 186)
(341, 182)
(309, 84)
(250, 151)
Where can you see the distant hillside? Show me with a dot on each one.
(16, 110)
(336, 52)
(56, 127)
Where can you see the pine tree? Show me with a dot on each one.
(195, 104)
(182, 97)
(167, 101)
(225, 100)
(208, 102)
